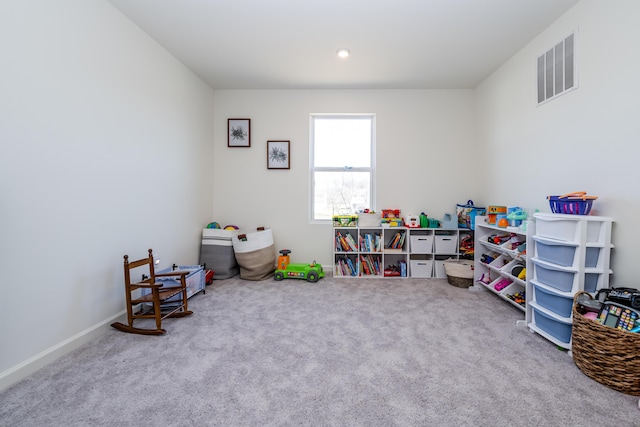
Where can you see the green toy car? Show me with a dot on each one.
(310, 272)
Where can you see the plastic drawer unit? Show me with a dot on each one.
(195, 280)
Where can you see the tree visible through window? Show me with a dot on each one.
(342, 164)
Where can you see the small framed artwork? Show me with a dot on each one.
(278, 156)
(239, 133)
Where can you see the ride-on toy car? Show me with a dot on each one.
(286, 270)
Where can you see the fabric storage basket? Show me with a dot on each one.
(459, 273)
(256, 254)
(607, 355)
(216, 252)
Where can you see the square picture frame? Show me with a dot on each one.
(278, 154)
(238, 132)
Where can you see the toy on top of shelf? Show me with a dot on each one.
(345, 220)
(425, 222)
(214, 225)
(576, 203)
(391, 218)
(492, 213)
(467, 214)
(309, 272)
(516, 215)
(412, 221)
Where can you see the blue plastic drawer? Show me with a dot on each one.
(558, 279)
(591, 282)
(560, 305)
(557, 329)
(564, 255)
(557, 254)
(592, 256)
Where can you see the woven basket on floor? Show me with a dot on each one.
(607, 355)
(459, 273)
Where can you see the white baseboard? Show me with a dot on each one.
(31, 365)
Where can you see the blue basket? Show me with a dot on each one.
(570, 205)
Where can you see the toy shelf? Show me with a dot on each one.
(497, 251)
(381, 251)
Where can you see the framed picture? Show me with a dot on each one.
(239, 133)
(278, 155)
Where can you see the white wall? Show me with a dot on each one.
(425, 143)
(90, 109)
(86, 97)
(585, 140)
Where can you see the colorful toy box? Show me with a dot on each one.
(345, 220)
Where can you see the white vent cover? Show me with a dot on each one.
(556, 70)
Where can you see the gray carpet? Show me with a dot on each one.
(340, 352)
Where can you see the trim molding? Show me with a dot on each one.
(31, 365)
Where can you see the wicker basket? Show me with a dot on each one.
(607, 355)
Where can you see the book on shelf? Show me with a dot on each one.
(345, 243)
(397, 240)
(352, 269)
(365, 266)
(370, 243)
(344, 267)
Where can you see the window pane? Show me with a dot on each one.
(340, 193)
(342, 142)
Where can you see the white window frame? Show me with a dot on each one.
(313, 169)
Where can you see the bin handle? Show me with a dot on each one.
(578, 195)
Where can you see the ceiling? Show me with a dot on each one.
(292, 44)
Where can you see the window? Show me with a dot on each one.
(342, 164)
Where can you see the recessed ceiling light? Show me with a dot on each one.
(343, 52)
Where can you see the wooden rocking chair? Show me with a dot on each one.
(151, 298)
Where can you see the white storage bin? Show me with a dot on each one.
(515, 267)
(554, 227)
(421, 244)
(567, 227)
(421, 267)
(446, 244)
(500, 262)
(369, 220)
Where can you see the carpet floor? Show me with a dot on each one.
(340, 352)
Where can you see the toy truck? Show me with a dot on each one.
(286, 270)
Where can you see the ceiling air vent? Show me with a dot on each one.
(556, 70)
